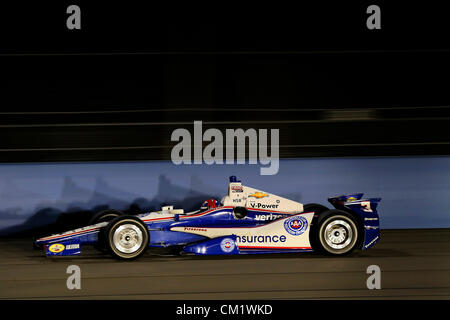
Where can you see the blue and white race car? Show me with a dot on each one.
(246, 221)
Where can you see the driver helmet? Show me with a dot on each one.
(209, 204)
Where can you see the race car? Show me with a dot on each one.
(245, 221)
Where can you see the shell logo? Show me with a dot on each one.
(56, 248)
(350, 199)
(258, 195)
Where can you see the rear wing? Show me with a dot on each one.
(367, 210)
(355, 202)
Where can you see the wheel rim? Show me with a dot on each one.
(338, 234)
(128, 238)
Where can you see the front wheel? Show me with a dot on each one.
(127, 237)
(104, 216)
(337, 232)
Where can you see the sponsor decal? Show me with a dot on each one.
(227, 245)
(263, 206)
(350, 199)
(371, 242)
(365, 205)
(73, 246)
(56, 248)
(237, 189)
(258, 195)
(296, 225)
(194, 229)
(261, 239)
(267, 217)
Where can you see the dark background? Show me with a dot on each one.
(117, 88)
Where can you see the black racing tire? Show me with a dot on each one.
(127, 237)
(316, 207)
(337, 233)
(105, 216)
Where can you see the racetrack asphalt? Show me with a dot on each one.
(415, 264)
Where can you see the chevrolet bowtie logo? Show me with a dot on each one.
(258, 195)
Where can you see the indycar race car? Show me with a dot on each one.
(246, 221)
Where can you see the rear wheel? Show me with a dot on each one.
(127, 237)
(337, 232)
(317, 209)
